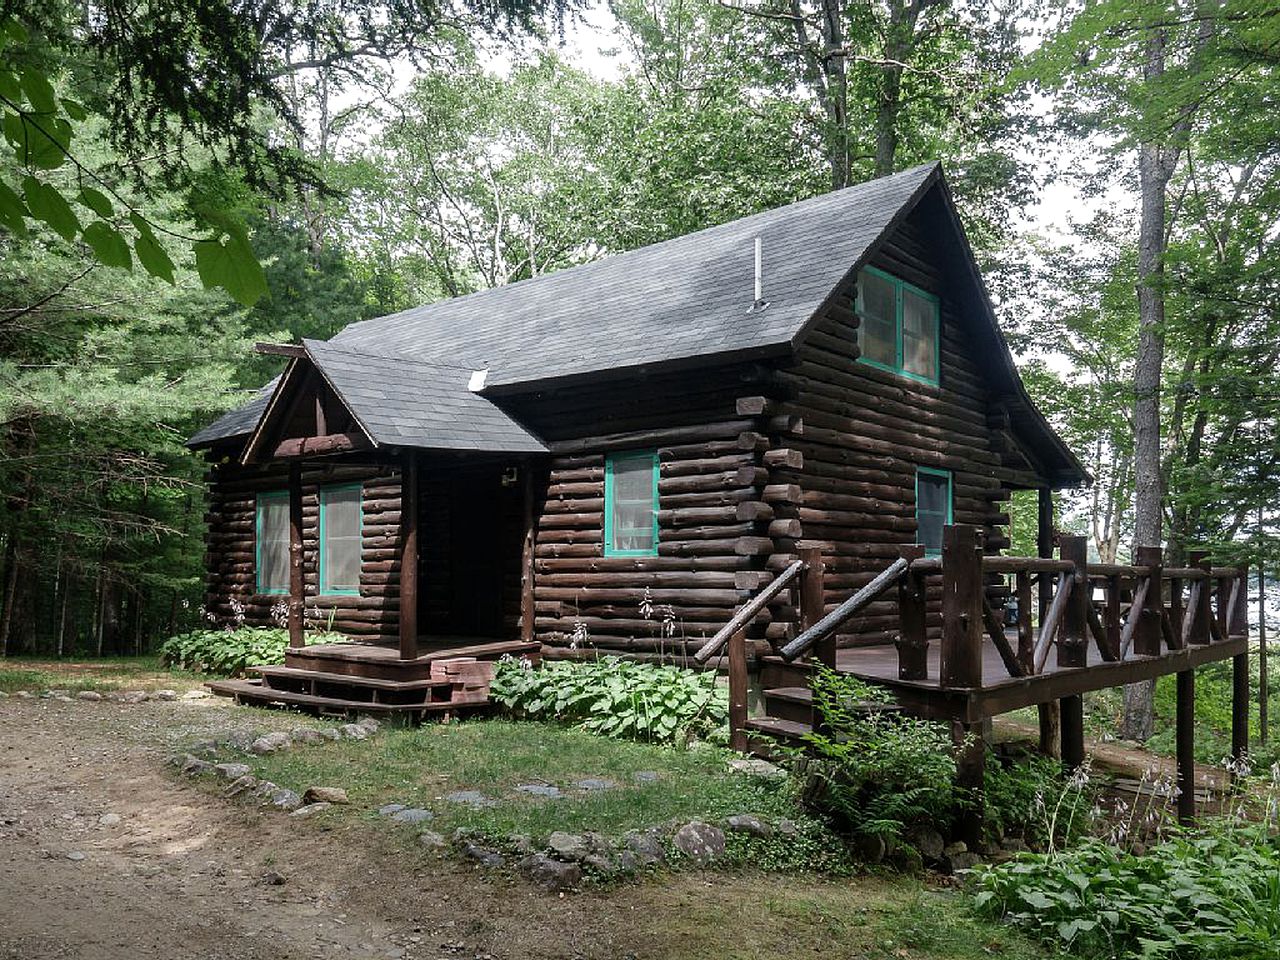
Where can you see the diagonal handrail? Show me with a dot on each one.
(828, 624)
(748, 611)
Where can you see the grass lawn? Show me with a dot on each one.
(109, 673)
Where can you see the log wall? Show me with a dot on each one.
(230, 579)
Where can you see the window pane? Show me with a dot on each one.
(919, 335)
(933, 509)
(273, 544)
(342, 541)
(631, 503)
(877, 306)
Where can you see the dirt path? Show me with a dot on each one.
(105, 854)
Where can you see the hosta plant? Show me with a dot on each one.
(231, 652)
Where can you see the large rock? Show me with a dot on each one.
(412, 815)
(700, 842)
(325, 795)
(484, 856)
(568, 846)
(134, 696)
(194, 766)
(165, 695)
(93, 696)
(270, 743)
(369, 724)
(310, 809)
(551, 873)
(285, 799)
(746, 823)
(305, 735)
(928, 841)
(646, 845)
(232, 771)
(755, 767)
(241, 785)
(353, 731)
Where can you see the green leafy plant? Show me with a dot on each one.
(874, 769)
(231, 652)
(616, 698)
(1022, 794)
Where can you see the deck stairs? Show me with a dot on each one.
(787, 701)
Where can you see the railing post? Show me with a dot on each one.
(961, 650)
(913, 636)
(813, 603)
(1238, 626)
(1111, 617)
(738, 691)
(297, 589)
(1200, 633)
(1147, 637)
(1176, 609)
(1026, 635)
(1073, 640)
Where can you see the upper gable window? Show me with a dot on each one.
(898, 328)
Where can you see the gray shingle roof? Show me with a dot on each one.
(684, 298)
(237, 422)
(413, 403)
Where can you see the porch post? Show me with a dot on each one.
(1238, 626)
(297, 600)
(1050, 714)
(526, 558)
(409, 556)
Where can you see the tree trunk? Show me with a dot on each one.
(1155, 167)
(12, 563)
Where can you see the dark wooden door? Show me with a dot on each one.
(476, 554)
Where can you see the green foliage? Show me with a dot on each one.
(1031, 797)
(877, 771)
(616, 698)
(1212, 894)
(231, 652)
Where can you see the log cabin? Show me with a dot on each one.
(778, 431)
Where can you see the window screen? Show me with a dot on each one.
(933, 508)
(340, 539)
(631, 504)
(273, 542)
(919, 335)
(877, 308)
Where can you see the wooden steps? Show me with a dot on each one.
(255, 693)
(786, 730)
(789, 703)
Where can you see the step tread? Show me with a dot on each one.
(352, 680)
(249, 690)
(778, 726)
(793, 694)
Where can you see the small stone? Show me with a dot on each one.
(471, 798)
(432, 840)
(959, 846)
(270, 743)
(165, 695)
(646, 845)
(482, 855)
(305, 735)
(520, 844)
(412, 815)
(325, 795)
(135, 696)
(755, 767)
(240, 785)
(551, 873)
(600, 863)
(745, 823)
(539, 789)
(285, 799)
(629, 862)
(25, 695)
(310, 809)
(353, 731)
(330, 733)
(56, 695)
(787, 828)
(568, 846)
(388, 809)
(196, 694)
(960, 860)
(369, 724)
(646, 776)
(700, 842)
(109, 819)
(272, 878)
(3, 695)
(869, 847)
(92, 696)
(75, 855)
(232, 771)
(595, 783)
(194, 766)
(264, 788)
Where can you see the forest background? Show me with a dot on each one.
(183, 179)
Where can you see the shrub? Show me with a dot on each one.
(1211, 893)
(231, 652)
(1031, 797)
(877, 771)
(616, 698)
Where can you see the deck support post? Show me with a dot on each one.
(409, 556)
(1072, 730)
(1186, 745)
(526, 557)
(913, 640)
(738, 691)
(1238, 625)
(961, 650)
(1147, 638)
(1049, 714)
(971, 774)
(1073, 640)
(297, 599)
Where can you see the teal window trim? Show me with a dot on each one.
(262, 499)
(951, 502)
(609, 461)
(325, 492)
(898, 287)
